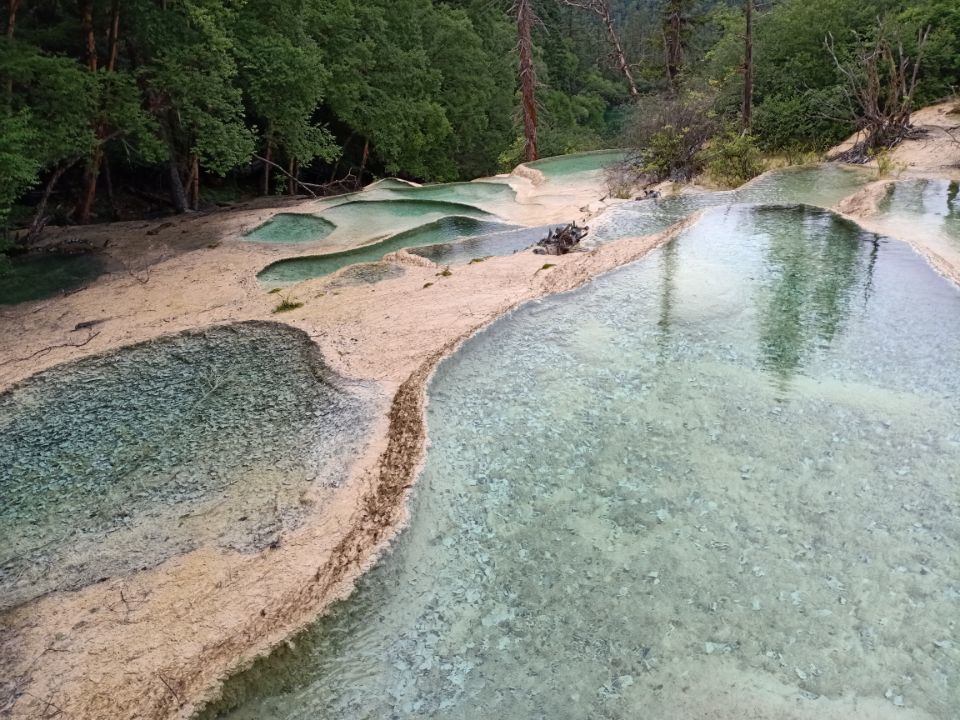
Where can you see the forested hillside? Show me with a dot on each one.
(117, 107)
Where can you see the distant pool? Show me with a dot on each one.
(563, 166)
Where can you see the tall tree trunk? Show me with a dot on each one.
(363, 160)
(12, 8)
(177, 193)
(618, 50)
(113, 39)
(601, 8)
(89, 193)
(92, 172)
(528, 77)
(40, 214)
(11, 27)
(268, 154)
(748, 69)
(194, 184)
(673, 40)
(292, 180)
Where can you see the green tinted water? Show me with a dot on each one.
(563, 166)
(292, 228)
(38, 276)
(719, 483)
(481, 194)
(443, 230)
(119, 461)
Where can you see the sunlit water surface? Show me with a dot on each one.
(725, 474)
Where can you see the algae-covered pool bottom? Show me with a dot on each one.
(116, 462)
(719, 483)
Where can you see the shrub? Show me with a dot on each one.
(804, 121)
(667, 135)
(286, 305)
(886, 165)
(733, 158)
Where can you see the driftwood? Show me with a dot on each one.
(561, 241)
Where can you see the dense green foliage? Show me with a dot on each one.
(208, 90)
(799, 95)
(200, 99)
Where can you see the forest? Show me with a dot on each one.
(114, 109)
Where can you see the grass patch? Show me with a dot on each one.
(886, 165)
(446, 272)
(426, 285)
(274, 291)
(545, 266)
(479, 259)
(286, 305)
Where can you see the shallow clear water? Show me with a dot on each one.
(504, 242)
(38, 276)
(821, 185)
(443, 230)
(718, 483)
(292, 228)
(119, 461)
(934, 205)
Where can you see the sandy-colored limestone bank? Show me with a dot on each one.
(157, 643)
(935, 155)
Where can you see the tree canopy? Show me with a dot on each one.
(181, 102)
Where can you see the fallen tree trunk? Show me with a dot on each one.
(561, 241)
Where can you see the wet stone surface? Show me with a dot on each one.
(366, 274)
(117, 462)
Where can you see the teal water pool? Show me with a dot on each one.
(719, 482)
(292, 228)
(563, 167)
(495, 243)
(444, 230)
